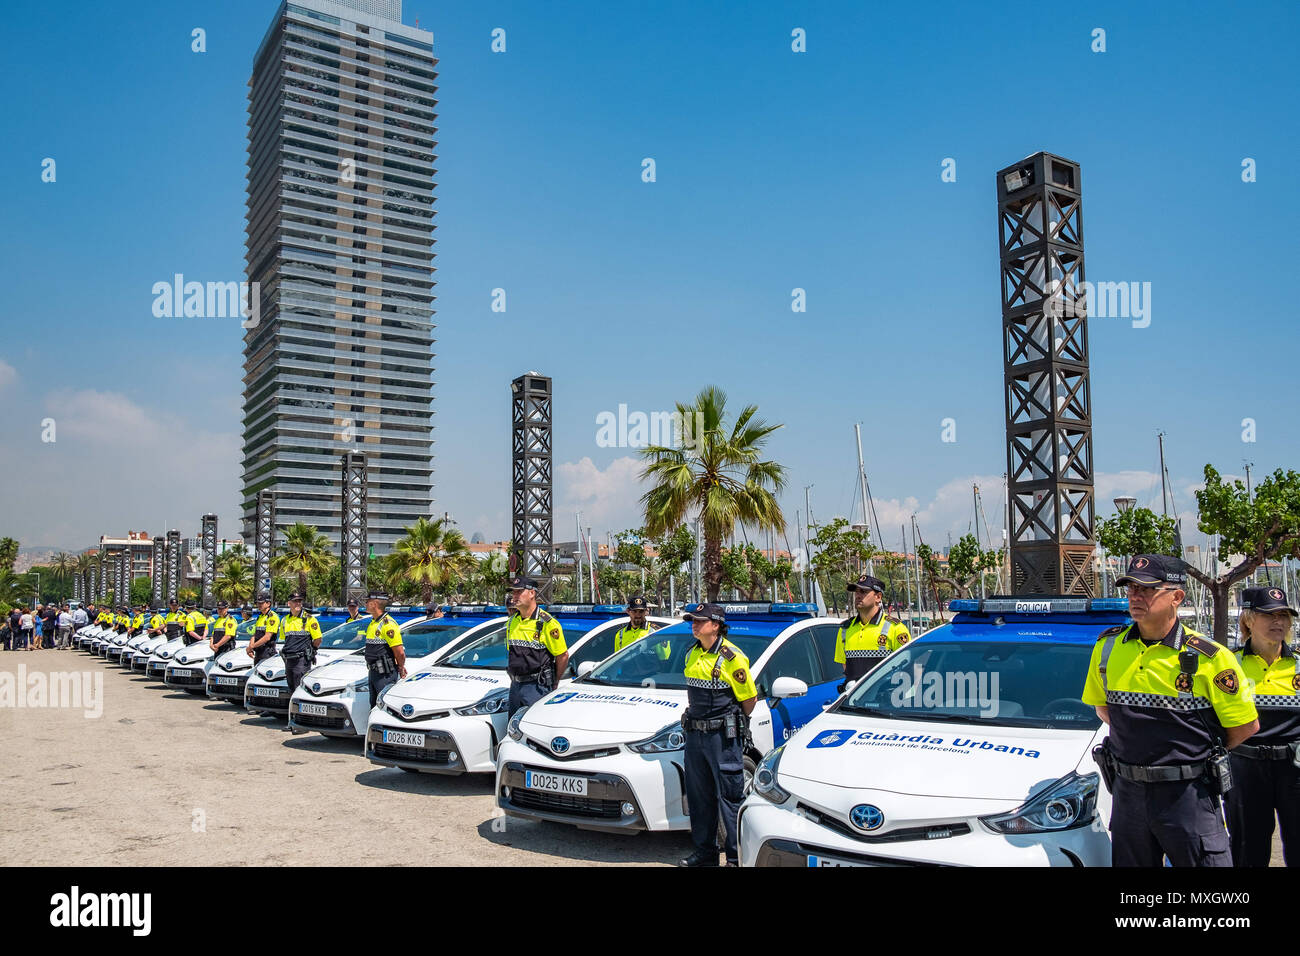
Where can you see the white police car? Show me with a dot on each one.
(145, 650)
(967, 747)
(127, 651)
(156, 665)
(190, 666)
(266, 689)
(607, 752)
(450, 718)
(334, 697)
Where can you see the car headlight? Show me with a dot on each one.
(668, 739)
(379, 700)
(765, 784)
(513, 728)
(493, 703)
(1070, 802)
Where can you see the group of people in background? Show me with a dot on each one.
(42, 627)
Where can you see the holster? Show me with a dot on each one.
(382, 667)
(732, 726)
(1105, 764)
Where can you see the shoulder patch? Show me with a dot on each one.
(903, 638)
(1204, 646)
(1226, 681)
(739, 675)
(726, 652)
(1115, 631)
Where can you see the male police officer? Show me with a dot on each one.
(385, 655)
(174, 622)
(157, 623)
(301, 638)
(265, 630)
(636, 627)
(537, 654)
(196, 624)
(353, 613)
(1265, 774)
(222, 632)
(865, 639)
(720, 695)
(1174, 701)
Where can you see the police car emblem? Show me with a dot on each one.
(1226, 681)
(408, 710)
(560, 745)
(866, 817)
(1183, 683)
(315, 687)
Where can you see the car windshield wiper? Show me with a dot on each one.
(595, 680)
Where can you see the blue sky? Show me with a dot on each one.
(775, 170)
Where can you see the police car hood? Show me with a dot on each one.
(272, 668)
(171, 647)
(974, 761)
(595, 713)
(443, 687)
(235, 660)
(337, 673)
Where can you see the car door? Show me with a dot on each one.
(796, 657)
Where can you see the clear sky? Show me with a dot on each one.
(775, 170)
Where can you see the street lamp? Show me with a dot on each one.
(1125, 504)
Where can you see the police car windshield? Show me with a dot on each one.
(348, 636)
(1010, 684)
(661, 658)
(489, 651)
(421, 640)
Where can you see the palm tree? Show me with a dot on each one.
(719, 476)
(234, 582)
(236, 552)
(81, 566)
(433, 554)
(305, 551)
(62, 566)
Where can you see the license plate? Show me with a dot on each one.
(181, 672)
(312, 710)
(555, 783)
(227, 680)
(832, 861)
(266, 692)
(404, 739)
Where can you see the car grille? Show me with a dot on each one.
(139, 663)
(789, 853)
(277, 701)
(156, 669)
(312, 720)
(194, 680)
(587, 807)
(934, 831)
(403, 752)
(573, 755)
(234, 691)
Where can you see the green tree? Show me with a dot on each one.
(671, 549)
(967, 564)
(431, 555)
(1261, 528)
(1138, 531)
(234, 581)
(61, 567)
(8, 553)
(305, 551)
(82, 566)
(187, 594)
(838, 552)
(141, 591)
(719, 474)
(236, 552)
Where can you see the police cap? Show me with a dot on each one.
(263, 596)
(1149, 569)
(523, 584)
(867, 583)
(1266, 600)
(221, 604)
(295, 596)
(637, 602)
(706, 612)
(377, 596)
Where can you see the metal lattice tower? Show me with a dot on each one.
(124, 577)
(173, 564)
(1045, 356)
(76, 587)
(531, 498)
(263, 541)
(159, 566)
(92, 578)
(101, 576)
(209, 569)
(354, 552)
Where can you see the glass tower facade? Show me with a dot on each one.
(338, 350)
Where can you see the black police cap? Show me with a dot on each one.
(263, 596)
(221, 604)
(378, 596)
(172, 601)
(1266, 600)
(523, 584)
(352, 602)
(637, 602)
(1149, 569)
(706, 612)
(867, 583)
(295, 596)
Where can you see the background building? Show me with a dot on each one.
(340, 240)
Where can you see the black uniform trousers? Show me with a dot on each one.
(715, 784)
(379, 680)
(1179, 819)
(1259, 789)
(295, 666)
(525, 694)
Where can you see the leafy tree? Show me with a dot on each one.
(747, 569)
(305, 551)
(8, 553)
(431, 555)
(672, 549)
(141, 591)
(838, 552)
(234, 581)
(719, 475)
(236, 552)
(1138, 531)
(82, 566)
(187, 594)
(967, 563)
(1263, 528)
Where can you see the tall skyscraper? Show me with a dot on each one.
(339, 355)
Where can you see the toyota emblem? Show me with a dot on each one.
(407, 710)
(866, 817)
(560, 745)
(315, 687)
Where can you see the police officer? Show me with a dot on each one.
(1265, 774)
(157, 623)
(535, 647)
(385, 654)
(353, 612)
(720, 695)
(265, 630)
(137, 622)
(636, 627)
(1175, 702)
(245, 613)
(174, 622)
(196, 624)
(301, 638)
(870, 635)
(123, 619)
(222, 633)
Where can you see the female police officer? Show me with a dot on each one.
(718, 690)
(1265, 777)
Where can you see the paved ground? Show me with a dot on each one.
(163, 777)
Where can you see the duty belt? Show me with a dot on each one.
(705, 726)
(528, 678)
(1264, 752)
(1140, 774)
